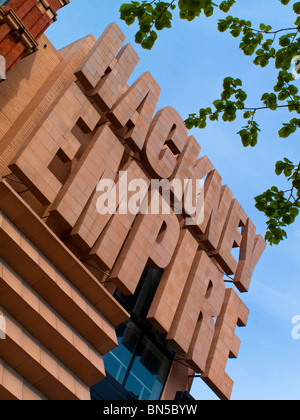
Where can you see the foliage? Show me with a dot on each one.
(280, 47)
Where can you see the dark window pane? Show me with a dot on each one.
(149, 286)
(139, 303)
(118, 360)
(149, 371)
(142, 361)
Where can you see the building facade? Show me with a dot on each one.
(22, 22)
(111, 305)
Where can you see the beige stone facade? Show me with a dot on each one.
(67, 120)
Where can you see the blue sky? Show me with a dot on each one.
(189, 63)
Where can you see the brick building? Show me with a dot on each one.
(106, 305)
(22, 22)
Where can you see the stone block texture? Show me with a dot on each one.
(69, 119)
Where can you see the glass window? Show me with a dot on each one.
(138, 364)
(117, 361)
(149, 371)
(141, 363)
(139, 303)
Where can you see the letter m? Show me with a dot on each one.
(2, 328)
(2, 68)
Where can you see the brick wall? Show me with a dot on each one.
(10, 48)
(22, 22)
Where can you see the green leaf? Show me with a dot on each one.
(296, 7)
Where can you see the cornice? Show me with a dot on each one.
(19, 31)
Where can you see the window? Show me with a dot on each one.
(141, 363)
(139, 303)
(137, 363)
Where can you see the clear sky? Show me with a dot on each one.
(189, 63)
